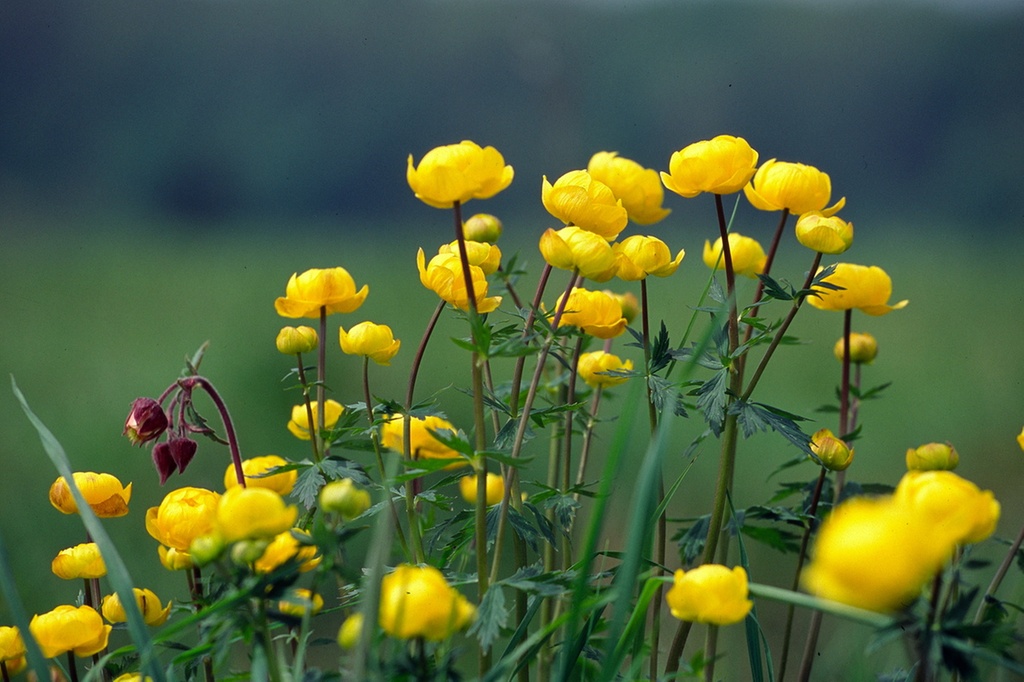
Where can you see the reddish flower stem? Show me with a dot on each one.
(187, 384)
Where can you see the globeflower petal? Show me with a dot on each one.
(458, 172)
(578, 199)
(68, 628)
(416, 601)
(866, 288)
(824, 234)
(796, 187)
(103, 492)
(638, 188)
(332, 289)
(711, 593)
(748, 256)
(721, 165)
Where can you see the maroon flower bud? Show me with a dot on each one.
(146, 421)
(172, 454)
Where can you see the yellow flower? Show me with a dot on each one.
(1020, 439)
(175, 559)
(133, 677)
(593, 368)
(330, 288)
(416, 601)
(779, 185)
(954, 508)
(875, 554)
(495, 488)
(825, 234)
(628, 302)
(866, 288)
(67, 628)
(299, 601)
(12, 649)
(350, 630)
(458, 172)
(286, 547)
(721, 165)
(253, 514)
(256, 474)
(835, 455)
(375, 341)
(641, 256)
(932, 457)
(482, 254)
(342, 497)
(423, 443)
(183, 515)
(295, 340)
(103, 492)
(299, 423)
(80, 561)
(443, 275)
(149, 604)
(482, 227)
(595, 312)
(863, 349)
(578, 199)
(711, 593)
(573, 248)
(748, 257)
(637, 187)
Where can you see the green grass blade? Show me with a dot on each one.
(9, 589)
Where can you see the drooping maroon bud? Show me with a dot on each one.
(163, 461)
(172, 454)
(146, 421)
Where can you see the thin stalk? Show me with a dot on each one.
(72, 667)
(997, 579)
(187, 384)
(314, 441)
(588, 432)
(321, 381)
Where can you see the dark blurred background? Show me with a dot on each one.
(165, 166)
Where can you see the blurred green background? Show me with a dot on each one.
(165, 166)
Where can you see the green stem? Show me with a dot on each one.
(997, 579)
(321, 381)
(314, 441)
(375, 439)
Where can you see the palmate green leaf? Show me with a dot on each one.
(491, 616)
(774, 289)
(711, 399)
(754, 417)
(532, 580)
(692, 540)
(775, 538)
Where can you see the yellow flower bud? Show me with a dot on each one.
(78, 562)
(641, 256)
(299, 423)
(257, 474)
(578, 199)
(149, 604)
(866, 288)
(416, 601)
(835, 455)
(721, 165)
(572, 248)
(593, 368)
(485, 256)
(495, 488)
(331, 288)
(863, 349)
(595, 312)
(103, 493)
(779, 185)
(825, 234)
(295, 340)
(711, 593)
(348, 633)
(203, 550)
(342, 497)
(422, 441)
(183, 515)
(482, 227)
(748, 257)
(375, 341)
(286, 546)
(12, 649)
(79, 630)
(638, 188)
(458, 172)
(300, 601)
(443, 275)
(253, 514)
(628, 302)
(932, 457)
(176, 560)
(956, 510)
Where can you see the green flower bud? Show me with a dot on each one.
(295, 340)
(344, 498)
(932, 457)
(835, 455)
(248, 552)
(206, 548)
(482, 227)
(863, 349)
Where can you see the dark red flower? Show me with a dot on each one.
(146, 421)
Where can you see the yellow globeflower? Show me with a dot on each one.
(67, 628)
(779, 185)
(375, 341)
(423, 443)
(1020, 439)
(721, 165)
(825, 234)
(711, 593)
(149, 604)
(484, 255)
(285, 547)
(299, 601)
(863, 349)
(875, 554)
(80, 561)
(495, 486)
(638, 188)
(348, 633)
(183, 515)
(253, 514)
(628, 302)
(955, 509)
(578, 199)
(416, 601)
(595, 312)
(299, 423)
(641, 256)
(257, 474)
(866, 288)
(175, 559)
(748, 257)
(443, 275)
(330, 288)
(933, 457)
(103, 492)
(835, 455)
(593, 368)
(458, 172)
(12, 649)
(295, 340)
(572, 248)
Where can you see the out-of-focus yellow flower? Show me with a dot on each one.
(595, 312)
(834, 454)
(721, 165)
(133, 677)
(285, 547)
(416, 601)
(748, 257)
(638, 188)
(458, 172)
(573, 248)
(863, 349)
(344, 498)
(779, 185)
(933, 457)
(299, 601)
(482, 227)
(874, 553)
(443, 275)
(628, 302)
(348, 633)
(329, 288)
(253, 514)
(103, 492)
(481, 254)
(175, 559)
(299, 423)
(954, 508)
(1020, 439)
(183, 515)
(375, 341)
(78, 562)
(866, 288)
(68, 628)
(825, 234)
(149, 604)
(593, 367)
(423, 444)
(256, 471)
(711, 593)
(295, 340)
(12, 649)
(641, 256)
(495, 488)
(578, 199)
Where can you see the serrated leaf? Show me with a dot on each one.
(307, 486)
(491, 615)
(777, 290)
(711, 399)
(773, 537)
(754, 417)
(691, 544)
